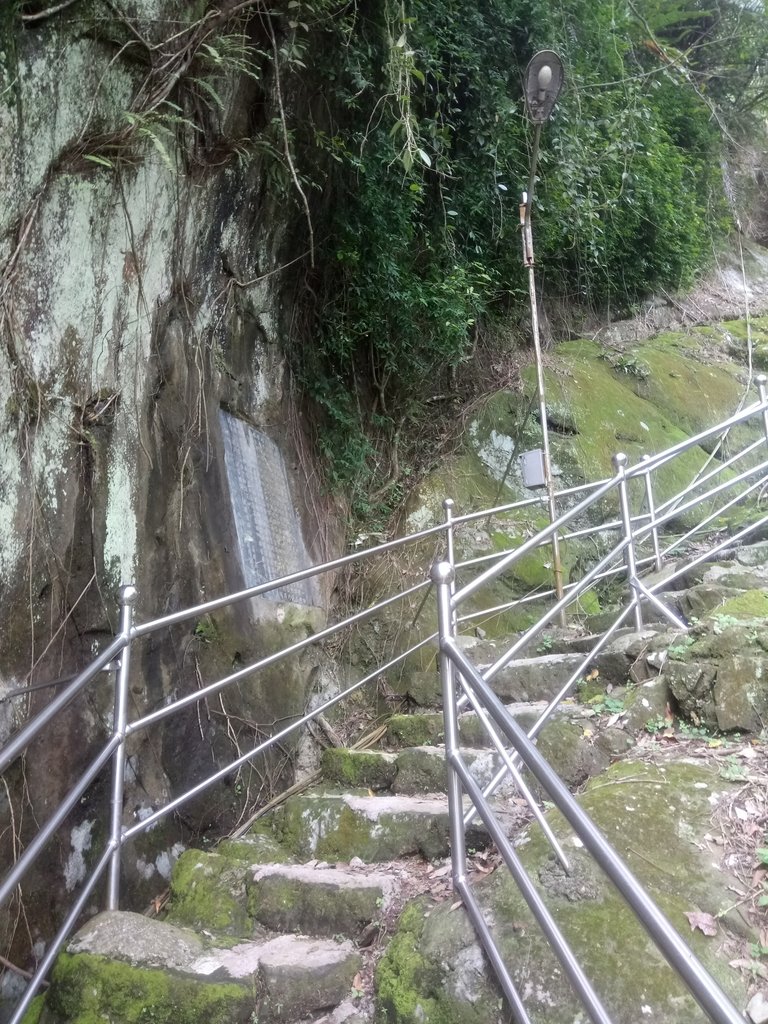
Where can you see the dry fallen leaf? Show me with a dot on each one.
(703, 921)
(439, 872)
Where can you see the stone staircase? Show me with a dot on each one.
(287, 923)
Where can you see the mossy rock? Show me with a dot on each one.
(693, 394)
(311, 901)
(410, 986)
(657, 817)
(337, 827)
(89, 989)
(741, 693)
(415, 730)
(720, 680)
(357, 769)
(752, 604)
(208, 891)
(258, 846)
(705, 599)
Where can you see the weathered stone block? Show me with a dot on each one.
(741, 693)
(316, 901)
(358, 769)
(691, 684)
(208, 891)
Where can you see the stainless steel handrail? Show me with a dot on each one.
(284, 581)
(464, 684)
(276, 738)
(678, 954)
(271, 659)
(633, 528)
(19, 743)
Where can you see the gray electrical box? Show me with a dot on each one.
(532, 468)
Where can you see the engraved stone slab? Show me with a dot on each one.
(268, 529)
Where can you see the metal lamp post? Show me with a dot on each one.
(543, 82)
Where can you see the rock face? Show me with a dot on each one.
(137, 299)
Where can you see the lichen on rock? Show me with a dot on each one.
(429, 974)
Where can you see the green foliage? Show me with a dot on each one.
(422, 149)
(679, 651)
(604, 704)
(656, 724)
(628, 363)
(546, 644)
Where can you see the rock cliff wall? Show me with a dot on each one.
(138, 297)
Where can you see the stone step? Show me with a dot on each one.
(409, 772)
(572, 742)
(335, 826)
(569, 722)
(120, 962)
(317, 899)
(533, 678)
(208, 887)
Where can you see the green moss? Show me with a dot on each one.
(656, 817)
(409, 989)
(414, 730)
(421, 771)
(692, 394)
(207, 891)
(326, 826)
(610, 417)
(753, 604)
(259, 846)
(32, 1016)
(87, 989)
(358, 769)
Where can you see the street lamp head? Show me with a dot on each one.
(543, 82)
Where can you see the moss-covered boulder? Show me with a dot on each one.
(129, 969)
(85, 989)
(208, 891)
(658, 818)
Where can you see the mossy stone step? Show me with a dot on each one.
(410, 771)
(530, 678)
(359, 769)
(208, 887)
(317, 900)
(339, 826)
(120, 963)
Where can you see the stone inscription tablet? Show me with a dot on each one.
(268, 529)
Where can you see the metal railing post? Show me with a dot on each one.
(120, 721)
(652, 515)
(761, 380)
(451, 556)
(443, 576)
(620, 461)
